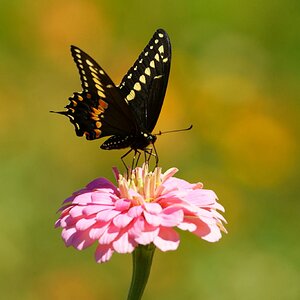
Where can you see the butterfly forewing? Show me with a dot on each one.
(129, 112)
(144, 85)
(100, 109)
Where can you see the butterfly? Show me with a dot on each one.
(127, 112)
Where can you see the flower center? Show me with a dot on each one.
(142, 184)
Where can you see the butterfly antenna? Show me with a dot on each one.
(176, 130)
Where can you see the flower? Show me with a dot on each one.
(145, 208)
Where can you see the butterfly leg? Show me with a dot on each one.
(122, 158)
(156, 156)
(150, 154)
(136, 158)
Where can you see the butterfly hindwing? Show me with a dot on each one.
(144, 86)
(99, 110)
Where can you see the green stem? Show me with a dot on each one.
(142, 260)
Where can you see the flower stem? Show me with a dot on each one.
(142, 261)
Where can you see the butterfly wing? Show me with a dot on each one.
(100, 109)
(144, 86)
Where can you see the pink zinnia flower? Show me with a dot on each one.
(143, 209)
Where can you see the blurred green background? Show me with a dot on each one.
(235, 76)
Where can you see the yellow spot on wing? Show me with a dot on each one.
(161, 49)
(95, 75)
(92, 69)
(137, 86)
(147, 71)
(152, 64)
(96, 80)
(99, 87)
(156, 56)
(131, 95)
(88, 62)
(143, 79)
(101, 94)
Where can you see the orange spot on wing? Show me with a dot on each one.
(97, 111)
(98, 132)
(103, 104)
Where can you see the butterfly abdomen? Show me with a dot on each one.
(135, 141)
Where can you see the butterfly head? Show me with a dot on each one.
(143, 140)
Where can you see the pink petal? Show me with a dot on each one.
(214, 235)
(122, 204)
(83, 198)
(102, 198)
(96, 232)
(102, 183)
(219, 207)
(103, 253)
(107, 215)
(171, 216)
(123, 244)
(109, 235)
(135, 211)
(147, 237)
(152, 219)
(81, 240)
(67, 221)
(177, 184)
(68, 235)
(202, 229)
(153, 208)
(76, 211)
(201, 197)
(84, 224)
(116, 173)
(168, 174)
(69, 199)
(122, 220)
(93, 209)
(187, 226)
(167, 239)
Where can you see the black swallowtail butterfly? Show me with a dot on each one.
(128, 112)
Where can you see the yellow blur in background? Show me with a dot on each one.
(235, 76)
